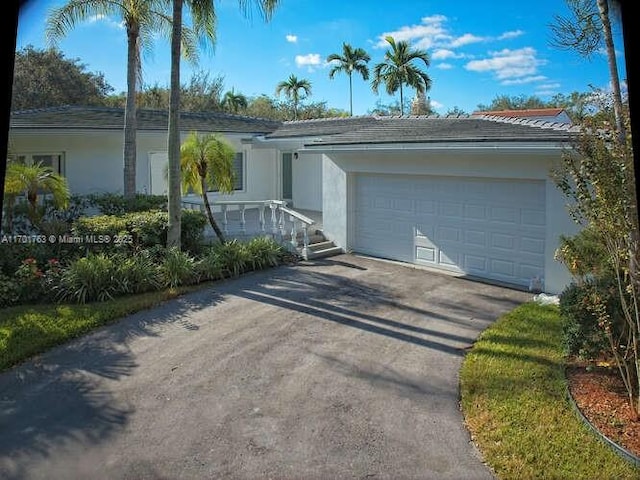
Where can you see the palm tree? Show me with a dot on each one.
(204, 19)
(291, 88)
(588, 27)
(207, 161)
(398, 69)
(351, 60)
(234, 101)
(33, 180)
(141, 18)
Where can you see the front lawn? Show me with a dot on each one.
(514, 401)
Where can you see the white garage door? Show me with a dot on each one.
(488, 228)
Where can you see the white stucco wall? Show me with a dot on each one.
(93, 160)
(340, 167)
(307, 181)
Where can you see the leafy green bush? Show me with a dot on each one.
(115, 204)
(264, 252)
(141, 229)
(584, 255)
(178, 268)
(138, 273)
(233, 257)
(94, 277)
(209, 266)
(9, 291)
(583, 335)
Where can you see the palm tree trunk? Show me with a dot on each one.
(130, 122)
(207, 207)
(401, 101)
(350, 95)
(603, 8)
(173, 140)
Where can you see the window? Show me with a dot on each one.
(53, 160)
(238, 170)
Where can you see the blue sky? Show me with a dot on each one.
(478, 49)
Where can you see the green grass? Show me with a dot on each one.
(26, 330)
(514, 402)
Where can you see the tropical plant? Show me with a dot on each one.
(264, 252)
(398, 69)
(233, 257)
(586, 30)
(204, 20)
(141, 19)
(234, 102)
(207, 161)
(291, 89)
(91, 278)
(177, 268)
(351, 60)
(597, 176)
(32, 181)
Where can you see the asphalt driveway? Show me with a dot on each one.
(339, 369)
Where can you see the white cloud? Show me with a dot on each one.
(546, 93)
(308, 60)
(436, 104)
(523, 80)
(510, 34)
(444, 66)
(467, 39)
(424, 35)
(291, 38)
(107, 21)
(509, 64)
(548, 86)
(444, 53)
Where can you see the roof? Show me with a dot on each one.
(529, 112)
(321, 126)
(102, 118)
(421, 129)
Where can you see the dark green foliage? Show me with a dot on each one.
(138, 273)
(178, 268)
(583, 334)
(264, 252)
(92, 278)
(45, 78)
(116, 204)
(233, 256)
(141, 229)
(9, 291)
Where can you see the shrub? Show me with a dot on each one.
(29, 279)
(138, 273)
(584, 255)
(583, 335)
(209, 266)
(233, 257)
(9, 291)
(264, 252)
(115, 204)
(142, 229)
(178, 268)
(94, 277)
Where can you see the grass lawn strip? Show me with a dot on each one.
(28, 330)
(513, 398)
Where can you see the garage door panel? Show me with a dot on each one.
(485, 227)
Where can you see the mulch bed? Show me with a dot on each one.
(602, 399)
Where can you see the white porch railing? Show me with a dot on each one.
(273, 218)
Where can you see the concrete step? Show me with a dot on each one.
(322, 245)
(324, 252)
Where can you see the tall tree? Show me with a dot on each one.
(398, 69)
(203, 16)
(233, 101)
(45, 78)
(291, 88)
(141, 18)
(207, 161)
(351, 60)
(586, 30)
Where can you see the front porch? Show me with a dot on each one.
(298, 230)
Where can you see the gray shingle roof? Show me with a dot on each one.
(101, 118)
(430, 130)
(322, 126)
